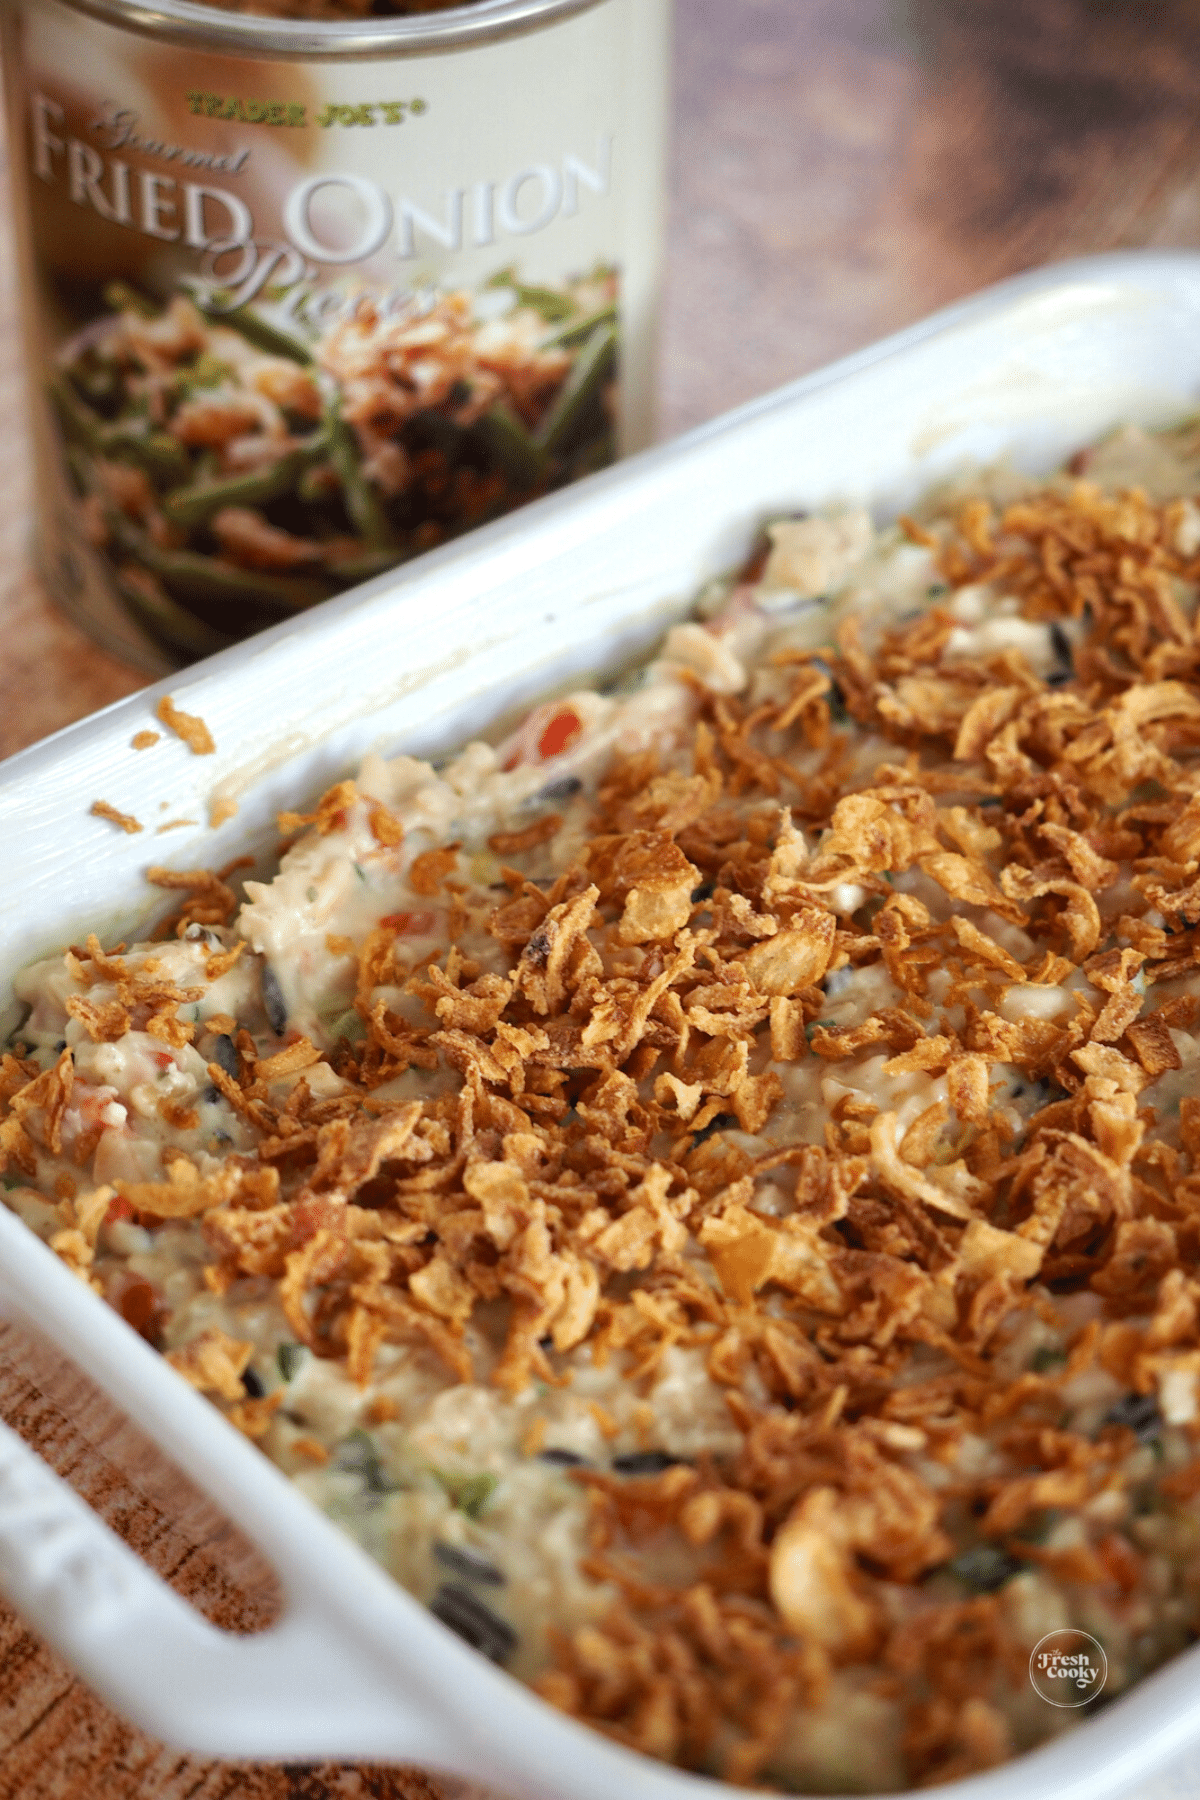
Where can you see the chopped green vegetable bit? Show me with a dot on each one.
(552, 305)
(208, 371)
(121, 297)
(1038, 1528)
(985, 1567)
(196, 503)
(579, 392)
(291, 1359)
(363, 503)
(358, 1454)
(1047, 1357)
(511, 446)
(271, 335)
(147, 600)
(470, 1493)
(346, 1024)
(576, 330)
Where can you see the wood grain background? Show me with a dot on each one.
(840, 168)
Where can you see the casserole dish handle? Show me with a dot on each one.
(301, 1690)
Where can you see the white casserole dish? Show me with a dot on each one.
(422, 660)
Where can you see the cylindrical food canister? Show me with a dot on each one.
(304, 299)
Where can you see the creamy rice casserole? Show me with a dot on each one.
(704, 1189)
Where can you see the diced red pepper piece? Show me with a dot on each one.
(409, 924)
(137, 1303)
(563, 730)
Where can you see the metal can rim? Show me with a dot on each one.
(190, 23)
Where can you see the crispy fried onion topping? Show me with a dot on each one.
(651, 1121)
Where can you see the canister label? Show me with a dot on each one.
(293, 322)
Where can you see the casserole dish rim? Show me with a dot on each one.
(237, 1475)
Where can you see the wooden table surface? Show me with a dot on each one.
(841, 167)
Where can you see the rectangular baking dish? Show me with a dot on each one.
(422, 660)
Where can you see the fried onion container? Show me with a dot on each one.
(421, 660)
(439, 235)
